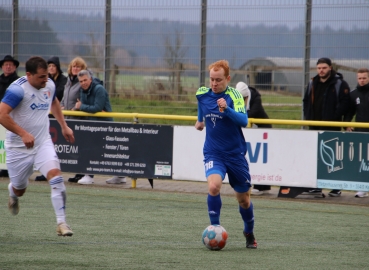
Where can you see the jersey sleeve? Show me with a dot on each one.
(13, 95)
(237, 98)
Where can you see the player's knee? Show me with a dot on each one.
(214, 190)
(52, 173)
(19, 192)
(244, 202)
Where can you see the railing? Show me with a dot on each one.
(136, 116)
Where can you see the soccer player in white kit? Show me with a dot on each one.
(24, 113)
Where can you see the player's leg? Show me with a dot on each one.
(20, 168)
(239, 179)
(215, 173)
(47, 162)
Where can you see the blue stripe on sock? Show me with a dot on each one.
(56, 180)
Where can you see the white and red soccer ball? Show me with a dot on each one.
(214, 237)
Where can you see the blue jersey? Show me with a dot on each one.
(223, 135)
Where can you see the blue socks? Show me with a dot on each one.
(248, 218)
(214, 206)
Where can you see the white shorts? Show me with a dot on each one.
(20, 165)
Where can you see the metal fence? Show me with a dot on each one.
(160, 49)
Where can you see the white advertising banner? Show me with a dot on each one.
(2, 148)
(276, 157)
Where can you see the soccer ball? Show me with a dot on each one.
(214, 237)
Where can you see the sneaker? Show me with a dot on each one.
(250, 240)
(361, 194)
(40, 178)
(86, 180)
(63, 229)
(117, 180)
(317, 190)
(256, 192)
(75, 178)
(4, 173)
(13, 205)
(335, 193)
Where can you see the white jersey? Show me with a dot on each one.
(31, 109)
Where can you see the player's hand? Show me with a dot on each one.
(28, 140)
(78, 104)
(222, 104)
(199, 125)
(349, 129)
(68, 134)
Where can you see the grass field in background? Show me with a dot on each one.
(140, 229)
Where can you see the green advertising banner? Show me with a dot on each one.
(343, 161)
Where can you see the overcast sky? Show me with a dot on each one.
(334, 13)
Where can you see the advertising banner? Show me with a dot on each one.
(112, 148)
(2, 148)
(343, 161)
(276, 157)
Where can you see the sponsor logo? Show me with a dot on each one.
(331, 153)
(40, 106)
(258, 150)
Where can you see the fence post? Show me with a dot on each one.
(15, 24)
(107, 47)
(307, 49)
(203, 42)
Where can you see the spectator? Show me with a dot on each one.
(71, 94)
(359, 106)
(9, 66)
(93, 98)
(56, 74)
(327, 98)
(255, 109)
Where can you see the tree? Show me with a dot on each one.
(174, 55)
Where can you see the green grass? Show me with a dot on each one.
(137, 229)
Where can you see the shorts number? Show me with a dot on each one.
(209, 165)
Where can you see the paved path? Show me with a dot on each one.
(347, 197)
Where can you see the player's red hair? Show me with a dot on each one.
(220, 64)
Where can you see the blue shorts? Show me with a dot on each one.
(236, 167)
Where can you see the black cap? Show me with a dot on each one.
(324, 60)
(9, 58)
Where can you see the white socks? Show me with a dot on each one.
(58, 197)
(11, 191)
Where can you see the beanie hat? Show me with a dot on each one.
(245, 92)
(324, 60)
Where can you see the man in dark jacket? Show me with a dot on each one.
(359, 106)
(9, 66)
(327, 98)
(93, 98)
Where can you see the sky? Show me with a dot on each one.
(337, 14)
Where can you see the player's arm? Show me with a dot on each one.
(57, 112)
(7, 122)
(238, 117)
(200, 119)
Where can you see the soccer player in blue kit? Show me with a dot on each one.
(24, 112)
(225, 146)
